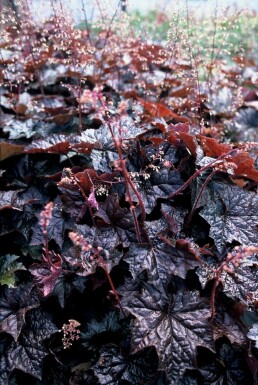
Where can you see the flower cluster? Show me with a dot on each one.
(71, 333)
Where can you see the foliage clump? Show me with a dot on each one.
(128, 201)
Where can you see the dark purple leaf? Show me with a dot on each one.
(242, 284)
(174, 323)
(14, 304)
(227, 366)
(232, 214)
(161, 184)
(174, 218)
(113, 368)
(227, 325)
(14, 220)
(162, 259)
(65, 285)
(103, 160)
(56, 228)
(74, 203)
(28, 352)
(244, 128)
(120, 218)
(107, 238)
(191, 377)
(109, 329)
(82, 260)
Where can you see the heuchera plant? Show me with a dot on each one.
(128, 208)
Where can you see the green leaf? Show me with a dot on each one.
(8, 266)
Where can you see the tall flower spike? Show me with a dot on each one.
(46, 215)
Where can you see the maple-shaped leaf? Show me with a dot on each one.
(154, 174)
(132, 286)
(114, 368)
(14, 304)
(105, 153)
(164, 257)
(175, 323)
(232, 214)
(28, 352)
(227, 366)
(8, 266)
(47, 273)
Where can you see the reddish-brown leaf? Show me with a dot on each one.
(212, 147)
(159, 110)
(8, 149)
(245, 166)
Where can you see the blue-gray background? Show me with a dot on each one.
(42, 8)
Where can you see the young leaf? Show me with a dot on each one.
(8, 267)
(47, 273)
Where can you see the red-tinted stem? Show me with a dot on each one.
(198, 172)
(113, 288)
